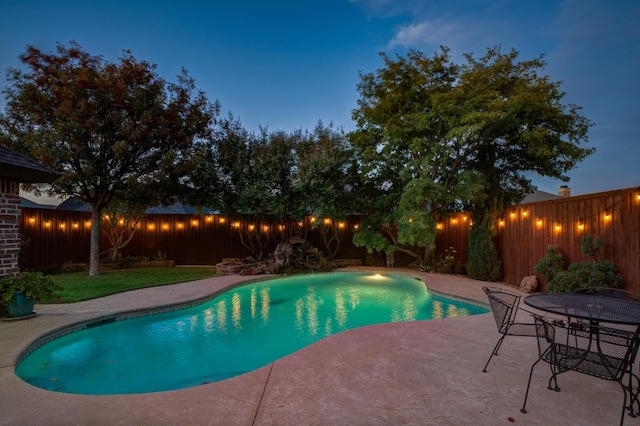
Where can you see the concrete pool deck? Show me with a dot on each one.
(412, 373)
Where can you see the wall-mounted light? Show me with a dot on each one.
(281, 228)
(439, 226)
(580, 226)
(312, 220)
(558, 228)
(251, 228)
(539, 223)
(194, 222)
(525, 213)
(180, 225)
(235, 225)
(454, 221)
(209, 219)
(356, 226)
(512, 215)
(265, 228)
(501, 223)
(151, 227)
(32, 220)
(62, 225)
(47, 224)
(221, 220)
(165, 226)
(327, 221)
(607, 217)
(76, 225)
(87, 224)
(341, 225)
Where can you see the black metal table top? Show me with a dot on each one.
(587, 306)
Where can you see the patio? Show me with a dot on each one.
(422, 373)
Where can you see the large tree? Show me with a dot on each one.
(327, 180)
(249, 179)
(434, 135)
(113, 129)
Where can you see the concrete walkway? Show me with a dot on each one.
(414, 373)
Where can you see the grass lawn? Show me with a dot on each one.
(80, 286)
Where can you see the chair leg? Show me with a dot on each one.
(554, 378)
(624, 404)
(526, 395)
(494, 352)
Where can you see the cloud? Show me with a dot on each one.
(431, 34)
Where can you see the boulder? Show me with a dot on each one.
(529, 284)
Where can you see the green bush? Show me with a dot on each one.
(483, 257)
(580, 274)
(551, 263)
(605, 274)
(563, 282)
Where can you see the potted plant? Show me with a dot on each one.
(20, 293)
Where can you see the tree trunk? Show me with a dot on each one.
(94, 251)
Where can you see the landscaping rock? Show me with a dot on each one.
(529, 284)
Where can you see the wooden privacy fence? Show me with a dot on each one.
(523, 234)
(525, 231)
(62, 236)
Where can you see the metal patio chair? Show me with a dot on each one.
(602, 352)
(505, 307)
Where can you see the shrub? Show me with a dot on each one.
(483, 258)
(551, 263)
(563, 282)
(580, 274)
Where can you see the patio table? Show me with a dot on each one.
(596, 309)
(593, 308)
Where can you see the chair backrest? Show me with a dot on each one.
(600, 351)
(503, 306)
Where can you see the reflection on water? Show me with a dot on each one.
(264, 311)
(319, 311)
(239, 331)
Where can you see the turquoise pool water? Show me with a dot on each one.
(234, 333)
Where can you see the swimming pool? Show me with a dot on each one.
(237, 332)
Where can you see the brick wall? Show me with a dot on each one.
(9, 227)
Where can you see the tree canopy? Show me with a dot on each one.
(434, 135)
(113, 129)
